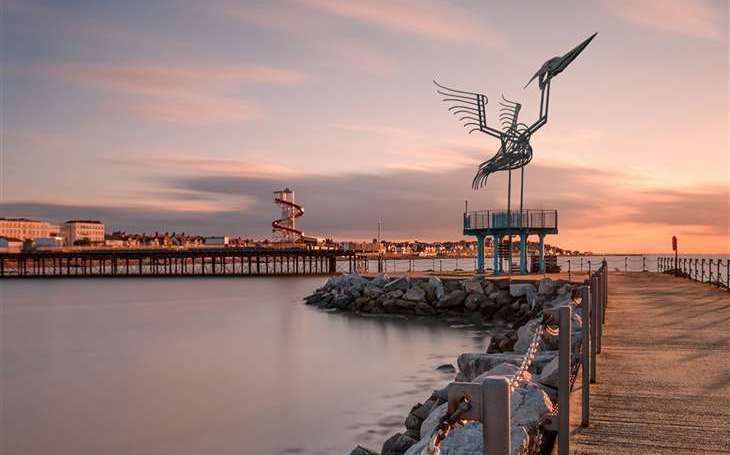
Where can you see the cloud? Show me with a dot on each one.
(688, 17)
(596, 213)
(439, 21)
(192, 94)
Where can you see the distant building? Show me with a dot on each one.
(216, 241)
(48, 242)
(23, 228)
(10, 244)
(82, 231)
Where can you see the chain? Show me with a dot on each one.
(446, 424)
(519, 376)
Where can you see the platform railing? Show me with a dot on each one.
(490, 401)
(515, 219)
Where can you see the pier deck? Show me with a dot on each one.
(664, 371)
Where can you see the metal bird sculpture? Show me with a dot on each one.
(515, 151)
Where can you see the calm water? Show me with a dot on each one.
(194, 366)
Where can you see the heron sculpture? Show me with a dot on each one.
(515, 151)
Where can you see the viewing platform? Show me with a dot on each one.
(500, 223)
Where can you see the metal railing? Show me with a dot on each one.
(714, 272)
(502, 219)
(490, 401)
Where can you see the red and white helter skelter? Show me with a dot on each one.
(285, 227)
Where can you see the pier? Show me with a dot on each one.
(114, 263)
(664, 379)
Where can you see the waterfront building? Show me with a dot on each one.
(10, 244)
(48, 242)
(23, 228)
(86, 231)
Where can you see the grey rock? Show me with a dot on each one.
(360, 450)
(501, 297)
(406, 304)
(401, 284)
(547, 286)
(373, 291)
(359, 302)
(524, 336)
(474, 301)
(433, 419)
(520, 289)
(505, 369)
(549, 374)
(397, 444)
(413, 422)
(529, 405)
(395, 294)
(452, 299)
(423, 308)
(473, 285)
(472, 364)
(438, 287)
(446, 368)
(468, 440)
(380, 280)
(342, 301)
(488, 287)
(415, 294)
(423, 410)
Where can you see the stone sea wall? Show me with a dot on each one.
(515, 307)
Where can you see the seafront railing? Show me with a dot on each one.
(713, 271)
(514, 219)
(490, 401)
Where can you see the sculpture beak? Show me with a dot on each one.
(566, 59)
(555, 66)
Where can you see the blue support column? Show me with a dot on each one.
(495, 252)
(523, 252)
(542, 253)
(480, 254)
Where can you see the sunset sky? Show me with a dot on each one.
(186, 115)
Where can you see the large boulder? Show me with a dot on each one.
(380, 280)
(474, 285)
(474, 301)
(415, 294)
(525, 335)
(360, 450)
(550, 373)
(397, 444)
(373, 291)
(472, 364)
(342, 301)
(452, 299)
(438, 287)
(501, 297)
(547, 286)
(401, 284)
(521, 289)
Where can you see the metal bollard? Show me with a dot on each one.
(594, 326)
(585, 348)
(497, 416)
(564, 381)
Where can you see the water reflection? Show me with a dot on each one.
(190, 366)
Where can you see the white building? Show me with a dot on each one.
(23, 228)
(216, 241)
(74, 231)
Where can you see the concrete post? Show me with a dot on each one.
(585, 306)
(497, 415)
(594, 327)
(542, 253)
(523, 252)
(564, 380)
(599, 312)
(480, 254)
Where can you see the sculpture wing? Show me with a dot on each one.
(469, 107)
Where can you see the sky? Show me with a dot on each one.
(186, 116)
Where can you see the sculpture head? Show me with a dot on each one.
(556, 65)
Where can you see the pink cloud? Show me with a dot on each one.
(193, 110)
(441, 21)
(688, 17)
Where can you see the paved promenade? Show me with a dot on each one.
(664, 373)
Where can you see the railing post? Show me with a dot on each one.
(585, 305)
(593, 327)
(599, 313)
(564, 357)
(496, 416)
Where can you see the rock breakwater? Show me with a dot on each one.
(518, 307)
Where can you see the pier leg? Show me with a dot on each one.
(495, 252)
(480, 254)
(523, 252)
(542, 253)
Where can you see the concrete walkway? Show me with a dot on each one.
(664, 373)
